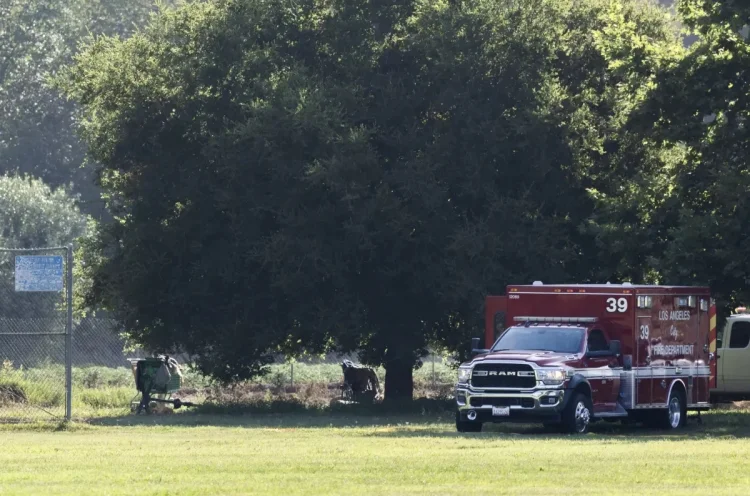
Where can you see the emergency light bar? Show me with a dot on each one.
(567, 320)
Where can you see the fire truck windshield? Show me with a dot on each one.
(543, 338)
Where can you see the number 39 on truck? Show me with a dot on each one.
(569, 355)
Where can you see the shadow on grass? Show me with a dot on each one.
(720, 424)
(279, 414)
(420, 418)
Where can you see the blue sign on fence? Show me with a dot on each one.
(39, 273)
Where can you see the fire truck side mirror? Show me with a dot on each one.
(614, 347)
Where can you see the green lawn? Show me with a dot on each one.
(339, 454)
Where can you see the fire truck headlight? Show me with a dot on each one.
(551, 377)
(463, 374)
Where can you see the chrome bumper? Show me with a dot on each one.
(536, 403)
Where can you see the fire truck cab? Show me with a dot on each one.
(568, 355)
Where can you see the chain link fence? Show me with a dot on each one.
(35, 304)
(54, 366)
(104, 385)
(292, 384)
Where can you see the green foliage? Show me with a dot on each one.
(699, 109)
(339, 174)
(103, 399)
(328, 373)
(33, 215)
(16, 387)
(37, 38)
(628, 177)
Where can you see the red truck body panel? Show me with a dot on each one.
(666, 332)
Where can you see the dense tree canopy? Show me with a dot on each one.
(699, 109)
(37, 38)
(33, 215)
(358, 175)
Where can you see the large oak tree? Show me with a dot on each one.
(356, 174)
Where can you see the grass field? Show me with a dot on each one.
(336, 453)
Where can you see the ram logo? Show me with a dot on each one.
(485, 373)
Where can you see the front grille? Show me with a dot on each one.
(502, 375)
(523, 402)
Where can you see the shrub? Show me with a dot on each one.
(105, 398)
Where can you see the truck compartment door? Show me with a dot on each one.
(643, 379)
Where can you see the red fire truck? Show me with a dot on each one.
(567, 355)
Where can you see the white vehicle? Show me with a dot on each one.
(733, 358)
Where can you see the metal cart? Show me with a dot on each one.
(156, 379)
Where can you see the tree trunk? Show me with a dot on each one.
(399, 380)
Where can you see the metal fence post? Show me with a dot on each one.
(69, 336)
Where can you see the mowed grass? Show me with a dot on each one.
(356, 455)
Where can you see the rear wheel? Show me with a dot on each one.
(670, 418)
(676, 416)
(467, 425)
(577, 415)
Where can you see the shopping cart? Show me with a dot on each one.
(361, 383)
(156, 379)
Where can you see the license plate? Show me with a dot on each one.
(500, 411)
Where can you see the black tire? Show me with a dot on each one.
(577, 415)
(466, 425)
(675, 416)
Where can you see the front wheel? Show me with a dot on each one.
(467, 426)
(577, 415)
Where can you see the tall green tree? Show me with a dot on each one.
(37, 39)
(34, 215)
(355, 175)
(699, 109)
